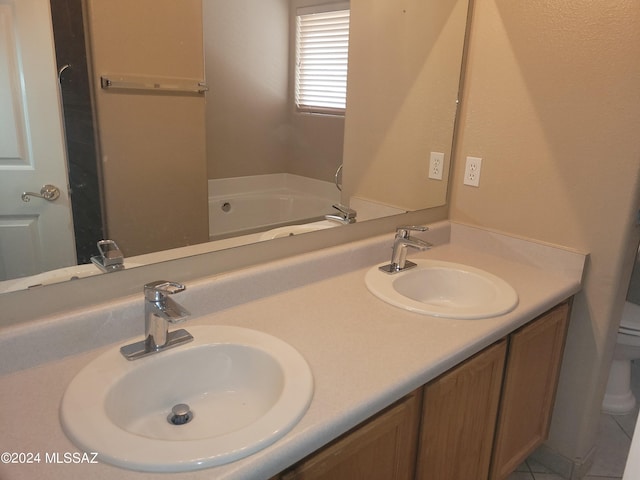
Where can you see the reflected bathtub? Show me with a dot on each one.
(265, 202)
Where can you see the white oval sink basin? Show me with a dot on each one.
(444, 289)
(245, 390)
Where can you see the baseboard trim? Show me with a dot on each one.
(571, 469)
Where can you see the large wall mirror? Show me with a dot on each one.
(176, 171)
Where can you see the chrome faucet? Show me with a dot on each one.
(344, 215)
(402, 241)
(110, 259)
(159, 312)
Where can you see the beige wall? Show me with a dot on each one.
(247, 55)
(552, 105)
(315, 145)
(152, 145)
(404, 65)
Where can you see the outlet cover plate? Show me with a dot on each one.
(436, 165)
(472, 171)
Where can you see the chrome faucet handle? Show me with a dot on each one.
(345, 215)
(344, 209)
(157, 291)
(110, 259)
(404, 231)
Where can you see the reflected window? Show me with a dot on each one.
(322, 52)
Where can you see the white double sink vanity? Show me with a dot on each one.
(296, 366)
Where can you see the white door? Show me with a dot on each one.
(35, 236)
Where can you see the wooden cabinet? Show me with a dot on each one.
(531, 379)
(382, 448)
(458, 419)
(478, 421)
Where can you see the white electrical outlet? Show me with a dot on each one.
(472, 171)
(436, 165)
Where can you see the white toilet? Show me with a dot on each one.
(618, 399)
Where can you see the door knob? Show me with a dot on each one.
(48, 192)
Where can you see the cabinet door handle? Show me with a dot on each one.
(48, 192)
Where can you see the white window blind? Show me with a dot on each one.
(322, 51)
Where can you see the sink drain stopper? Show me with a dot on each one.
(180, 414)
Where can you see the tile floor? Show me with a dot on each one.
(614, 439)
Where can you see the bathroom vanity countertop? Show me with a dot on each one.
(364, 353)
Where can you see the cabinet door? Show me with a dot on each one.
(383, 448)
(459, 413)
(531, 378)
